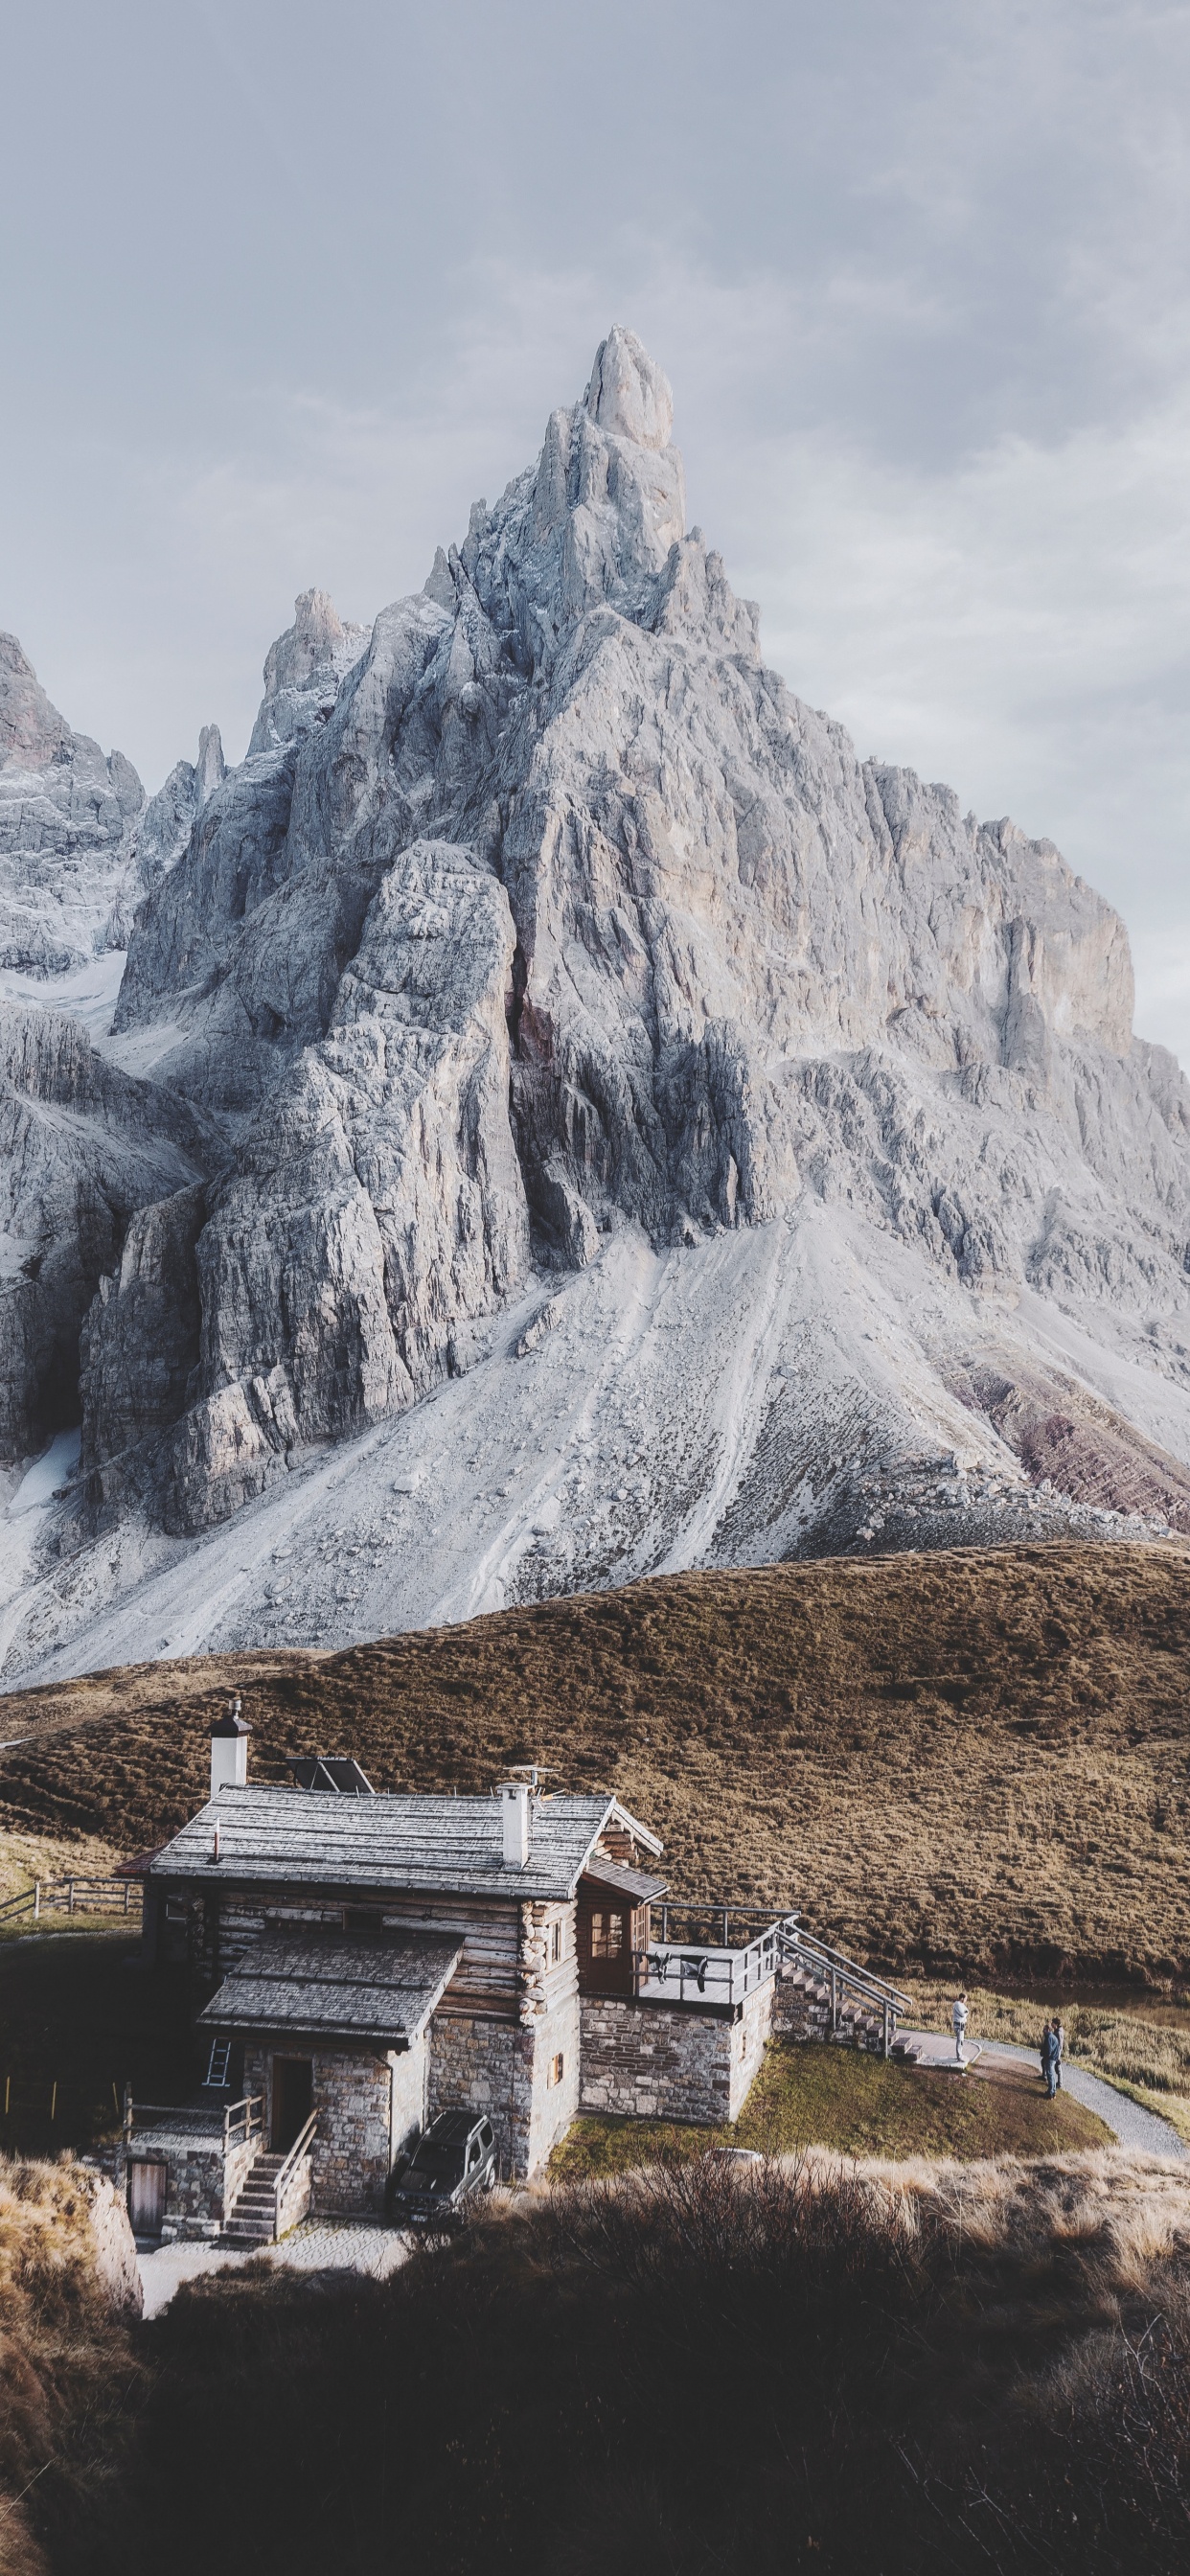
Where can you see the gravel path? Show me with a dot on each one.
(326, 2245)
(1128, 2122)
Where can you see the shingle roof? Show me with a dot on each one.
(427, 1843)
(329, 1983)
(629, 1882)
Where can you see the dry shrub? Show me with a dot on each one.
(735, 2370)
(66, 2367)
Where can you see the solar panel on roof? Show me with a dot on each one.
(330, 1771)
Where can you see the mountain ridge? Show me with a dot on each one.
(546, 950)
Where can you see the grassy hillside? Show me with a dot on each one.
(975, 1759)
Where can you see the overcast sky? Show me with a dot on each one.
(284, 288)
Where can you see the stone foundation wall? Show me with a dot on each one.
(410, 2091)
(193, 2185)
(750, 2036)
(367, 2105)
(351, 2151)
(554, 2105)
(479, 2065)
(505, 2069)
(669, 2062)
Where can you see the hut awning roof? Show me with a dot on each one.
(331, 1984)
(635, 1883)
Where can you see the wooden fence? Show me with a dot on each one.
(120, 1896)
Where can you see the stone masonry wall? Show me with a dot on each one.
(554, 2105)
(669, 2062)
(410, 2088)
(350, 2156)
(367, 2107)
(480, 2065)
(504, 2068)
(749, 2039)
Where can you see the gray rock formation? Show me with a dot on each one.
(82, 1148)
(170, 816)
(68, 822)
(544, 918)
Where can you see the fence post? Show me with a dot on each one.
(886, 2026)
(36, 1899)
(70, 1896)
(127, 1892)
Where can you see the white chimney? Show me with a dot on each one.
(514, 1811)
(229, 1750)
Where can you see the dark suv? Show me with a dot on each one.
(455, 2159)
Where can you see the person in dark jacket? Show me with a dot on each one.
(1050, 2055)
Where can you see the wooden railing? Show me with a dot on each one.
(290, 2180)
(710, 1973)
(185, 2119)
(843, 1975)
(243, 2122)
(76, 1896)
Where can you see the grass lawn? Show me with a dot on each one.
(75, 2014)
(839, 2097)
(1145, 2054)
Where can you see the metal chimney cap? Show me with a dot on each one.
(231, 1723)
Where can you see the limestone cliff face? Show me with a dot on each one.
(82, 1148)
(544, 910)
(67, 830)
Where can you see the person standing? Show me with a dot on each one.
(1061, 2039)
(1049, 2058)
(958, 2015)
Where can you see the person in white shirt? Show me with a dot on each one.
(959, 2018)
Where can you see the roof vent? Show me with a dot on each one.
(338, 1771)
(514, 1817)
(229, 1749)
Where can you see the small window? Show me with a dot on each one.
(557, 2068)
(607, 1934)
(176, 1909)
(556, 1941)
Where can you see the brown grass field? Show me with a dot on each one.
(972, 1761)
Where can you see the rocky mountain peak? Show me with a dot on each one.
(306, 647)
(305, 664)
(211, 767)
(32, 733)
(627, 395)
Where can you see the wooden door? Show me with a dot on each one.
(146, 2196)
(604, 1933)
(293, 2089)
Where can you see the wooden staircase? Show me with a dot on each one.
(836, 1998)
(253, 2216)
